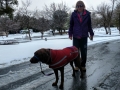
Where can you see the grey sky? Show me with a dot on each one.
(39, 4)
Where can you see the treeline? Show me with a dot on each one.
(55, 17)
(107, 15)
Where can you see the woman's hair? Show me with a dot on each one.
(79, 3)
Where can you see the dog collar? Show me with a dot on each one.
(36, 58)
(41, 67)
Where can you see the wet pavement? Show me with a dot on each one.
(103, 72)
(16, 67)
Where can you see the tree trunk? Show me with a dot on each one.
(42, 35)
(109, 30)
(106, 30)
(60, 32)
(53, 32)
(29, 34)
(30, 37)
(6, 33)
(118, 29)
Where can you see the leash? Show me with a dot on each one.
(43, 72)
(41, 67)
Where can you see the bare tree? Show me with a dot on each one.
(8, 25)
(106, 11)
(26, 16)
(50, 12)
(95, 19)
(59, 19)
(117, 16)
(41, 24)
(102, 10)
(14, 27)
(110, 14)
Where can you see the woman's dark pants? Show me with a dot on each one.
(81, 44)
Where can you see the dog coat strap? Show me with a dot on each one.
(59, 61)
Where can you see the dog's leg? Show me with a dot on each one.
(71, 63)
(62, 77)
(81, 71)
(57, 78)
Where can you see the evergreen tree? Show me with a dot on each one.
(6, 7)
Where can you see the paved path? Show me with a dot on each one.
(103, 72)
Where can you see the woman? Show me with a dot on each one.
(80, 29)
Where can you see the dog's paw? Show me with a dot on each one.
(61, 87)
(54, 84)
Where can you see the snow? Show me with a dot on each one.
(22, 52)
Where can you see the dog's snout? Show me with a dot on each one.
(33, 60)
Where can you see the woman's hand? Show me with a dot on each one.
(91, 37)
(70, 38)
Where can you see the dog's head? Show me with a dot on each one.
(41, 55)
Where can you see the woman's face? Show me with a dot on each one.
(80, 7)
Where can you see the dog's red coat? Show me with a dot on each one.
(62, 57)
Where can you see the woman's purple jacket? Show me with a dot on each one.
(80, 29)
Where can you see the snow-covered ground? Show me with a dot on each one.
(22, 52)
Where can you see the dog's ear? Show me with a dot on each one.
(43, 55)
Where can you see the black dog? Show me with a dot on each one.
(57, 59)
